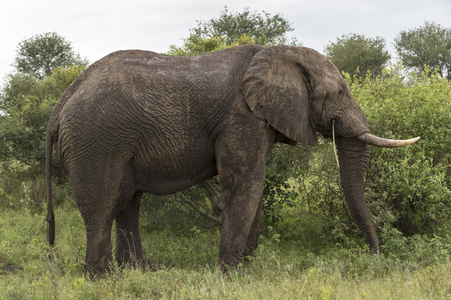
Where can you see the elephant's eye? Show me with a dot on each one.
(340, 92)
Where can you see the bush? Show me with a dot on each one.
(27, 103)
(170, 212)
(409, 188)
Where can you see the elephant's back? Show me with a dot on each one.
(152, 85)
(133, 98)
(139, 74)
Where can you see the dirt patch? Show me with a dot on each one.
(6, 269)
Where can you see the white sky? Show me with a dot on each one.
(98, 27)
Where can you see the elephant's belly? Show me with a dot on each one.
(159, 182)
(172, 171)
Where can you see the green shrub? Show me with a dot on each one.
(409, 188)
(27, 103)
(170, 212)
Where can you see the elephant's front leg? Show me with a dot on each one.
(240, 215)
(241, 169)
(252, 239)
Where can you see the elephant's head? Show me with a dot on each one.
(300, 92)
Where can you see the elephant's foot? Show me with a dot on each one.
(225, 269)
(95, 273)
(229, 263)
(143, 264)
(98, 272)
(249, 250)
(148, 266)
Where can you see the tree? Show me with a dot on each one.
(263, 28)
(42, 53)
(428, 45)
(27, 103)
(357, 54)
(195, 45)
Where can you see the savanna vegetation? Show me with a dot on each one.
(309, 245)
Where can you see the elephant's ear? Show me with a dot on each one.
(276, 88)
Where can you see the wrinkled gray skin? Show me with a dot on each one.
(137, 121)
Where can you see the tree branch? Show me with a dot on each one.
(196, 208)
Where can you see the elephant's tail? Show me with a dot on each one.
(50, 218)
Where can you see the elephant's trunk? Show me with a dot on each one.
(354, 157)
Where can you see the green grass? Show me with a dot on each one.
(281, 268)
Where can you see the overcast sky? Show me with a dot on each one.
(98, 27)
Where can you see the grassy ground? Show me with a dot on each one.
(279, 270)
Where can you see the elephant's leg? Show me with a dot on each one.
(99, 250)
(128, 240)
(241, 162)
(252, 240)
(99, 203)
(241, 203)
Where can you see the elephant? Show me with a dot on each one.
(136, 121)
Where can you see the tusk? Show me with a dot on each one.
(385, 143)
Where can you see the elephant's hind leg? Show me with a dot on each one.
(98, 251)
(128, 241)
(99, 204)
